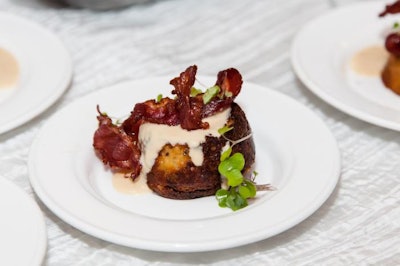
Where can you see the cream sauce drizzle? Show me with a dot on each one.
(369, 61)
(126, 185)
(9, 70)
(152, 137)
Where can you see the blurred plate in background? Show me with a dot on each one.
(45, 70)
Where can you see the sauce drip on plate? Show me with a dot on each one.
(369, 61)
(9, 69)
(126, 185)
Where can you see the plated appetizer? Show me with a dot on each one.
(187, 146)
(391, 71)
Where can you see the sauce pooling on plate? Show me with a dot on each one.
(369, 61)
(126, 185)
(9, 70)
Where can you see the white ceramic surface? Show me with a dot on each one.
(45, 70)
(321, 55)
(289, 138)
(23, 238)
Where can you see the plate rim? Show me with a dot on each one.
(188, 247)
(63, 83)
(321, 93)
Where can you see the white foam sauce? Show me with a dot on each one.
(152, 137)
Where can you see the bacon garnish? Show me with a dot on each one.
(230, 81)
(391, 9)
(162, 112)
(115, 148)
(118, 147)
(190, 111)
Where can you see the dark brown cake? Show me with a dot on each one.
(175, 176)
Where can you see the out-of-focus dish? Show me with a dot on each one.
(322, 55)
(289, 138)
(22, 228)
(103, 4)
(38, 70)
(391, 72)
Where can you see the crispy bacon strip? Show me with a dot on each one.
(162, 112)
(190, 111)
(115, 148)
(391, 9)
(230, 81)
(118, 147)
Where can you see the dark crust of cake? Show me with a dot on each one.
(174, 175)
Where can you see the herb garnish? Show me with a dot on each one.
(210, 93)
(194, 92)
(239, 188)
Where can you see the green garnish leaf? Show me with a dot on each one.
(224, 129)
(230, 201)
(231, 168)
(221, 196)
(226, 154)
(232, 174)
(251, 187)
(235, 201)
(240, 202)
(210, 93)
(237, 161)
(244, 192)
(396, 25)
(228, 94)
(159, 97)
(234, 177)
(194, 92)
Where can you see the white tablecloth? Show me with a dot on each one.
(358, 225)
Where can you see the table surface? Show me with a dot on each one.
(360, 222)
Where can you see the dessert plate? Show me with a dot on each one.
(22, 228)
(321, 53)
(45, 70)
(296, 153)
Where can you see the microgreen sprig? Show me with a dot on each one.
(240, 189)
(210, 93)
(224, 129)
(194, 92)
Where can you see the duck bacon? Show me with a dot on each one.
(189, 109)
(116, 148)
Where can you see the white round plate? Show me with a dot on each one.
(23, 238)
(45, 70)
(321, 53)
(295, 152)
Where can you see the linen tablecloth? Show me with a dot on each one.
(360, 222)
